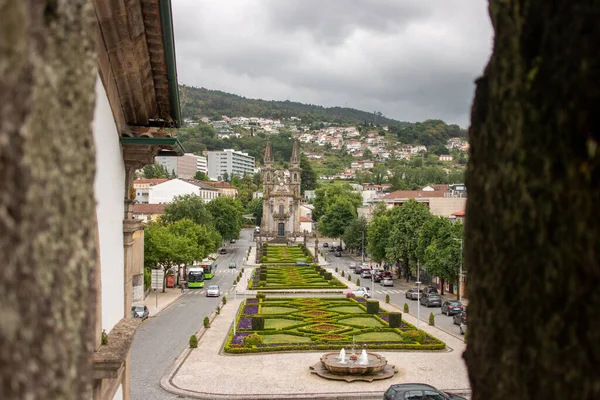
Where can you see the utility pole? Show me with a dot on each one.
(460, 273)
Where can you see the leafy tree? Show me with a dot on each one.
(307, 175)
(226, 216)
(155, 171)
(353, 234)
(201, 176)
(226, 176)
(405, 223)
(325, 196)
(188, 206)
(380, 173)
(377, 236)
(367, 154)
(255, 206)
(337, 217)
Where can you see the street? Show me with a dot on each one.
(397, 294)
(162, 338)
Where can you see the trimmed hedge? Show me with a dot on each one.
(258, 323)
(395, 320)
(372, 306)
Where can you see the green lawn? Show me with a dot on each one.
(293, 277)
(296, 324)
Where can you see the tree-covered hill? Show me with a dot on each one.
(199, 102)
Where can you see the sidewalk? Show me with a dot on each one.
(157, 303)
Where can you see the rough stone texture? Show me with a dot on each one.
(532, 246)
(47, 208)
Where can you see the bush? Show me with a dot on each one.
(262, 283)
(147, 278)
(242, 270)
(206, 322)
(431, 319)
(372, 306)
(336, 269)
(252, 340)
(262, 276)
(224, 300)
(327, 276)
(350, 295)
(357, 282)
(261, 295)
(349, 278)
(406, 310)
(387, 298)
(395, 320)
(193, 341)
(342, 274)
(104, 340)
(258, 323)
(218, 310)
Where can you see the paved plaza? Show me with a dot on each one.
(208, 373)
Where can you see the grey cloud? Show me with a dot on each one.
(409, 59)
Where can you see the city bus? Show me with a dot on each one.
(209, 269)
(195, 278)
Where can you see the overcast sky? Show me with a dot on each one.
(410, 59)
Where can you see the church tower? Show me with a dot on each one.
(281, 196)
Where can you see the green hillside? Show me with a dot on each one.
(198, 102)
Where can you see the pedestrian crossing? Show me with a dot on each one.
(389, 291)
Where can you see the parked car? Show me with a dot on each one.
(352, 265)
(377, 275)
(223, 251)
(362, 291)
(140, 312)
(387, 281)
(366, 274)
(358, 269)
(417, 391)
(232, 264)
(463, 328)
(338, 254)
(451, 307)
(460, 317)
(430, 289)
(431, 300)
(213, 291)
(325, 244)
(412, 293)
(232, 241)
(387, 274)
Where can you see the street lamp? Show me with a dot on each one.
(460, 273)
(363, 245)
(234, 305)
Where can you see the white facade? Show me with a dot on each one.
(109, 188)
(166, 192)
(202, 164)
(230, 161)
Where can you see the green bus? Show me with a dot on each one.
(209, 269)
(195, 278)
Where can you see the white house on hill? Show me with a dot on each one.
(167, 191)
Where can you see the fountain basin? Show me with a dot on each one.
(375, 364)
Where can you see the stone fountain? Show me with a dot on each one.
(364, 367)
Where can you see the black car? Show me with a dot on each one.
(460, 318)
(223, 251)
(338, 254)
(417, 391)
(430, 289)
(232, 241)
(325, 244)
(451, 307)
(431, 300)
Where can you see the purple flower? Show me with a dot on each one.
(252, 301)
(245, 323)
(249, 310)
(361, 300)
(239, 337)
(385, 317)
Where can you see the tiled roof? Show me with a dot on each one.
(200, 184)
(223, 185)
(150, 181)
(149, 208)
(411, 194)
(460, 213)
(304, 219)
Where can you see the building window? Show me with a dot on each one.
(281, 209)
(290, 208)
(295, 177)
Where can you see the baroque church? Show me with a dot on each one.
(281, 196)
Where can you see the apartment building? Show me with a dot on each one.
(231, 161)
(184, 167)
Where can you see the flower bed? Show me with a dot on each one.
(285, 254)
(292, 277)
(323, 324)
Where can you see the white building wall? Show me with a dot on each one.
(109, 188)
(119, 393)
(202, 164)
(165, 192)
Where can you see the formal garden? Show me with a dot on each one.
(295, 324)
(273, 277)
(274, 254)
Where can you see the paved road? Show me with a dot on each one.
(397, 294)
(161, 339)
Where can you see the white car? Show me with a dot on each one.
(352, 265)
(362, 291)
(213, 291)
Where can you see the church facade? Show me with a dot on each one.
(281, 196)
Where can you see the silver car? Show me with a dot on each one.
(387, 282)
(213, 291)
(140, 312)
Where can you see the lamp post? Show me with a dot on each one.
(418, 295)
(363, 245)
(460, 273)
(234, 305)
